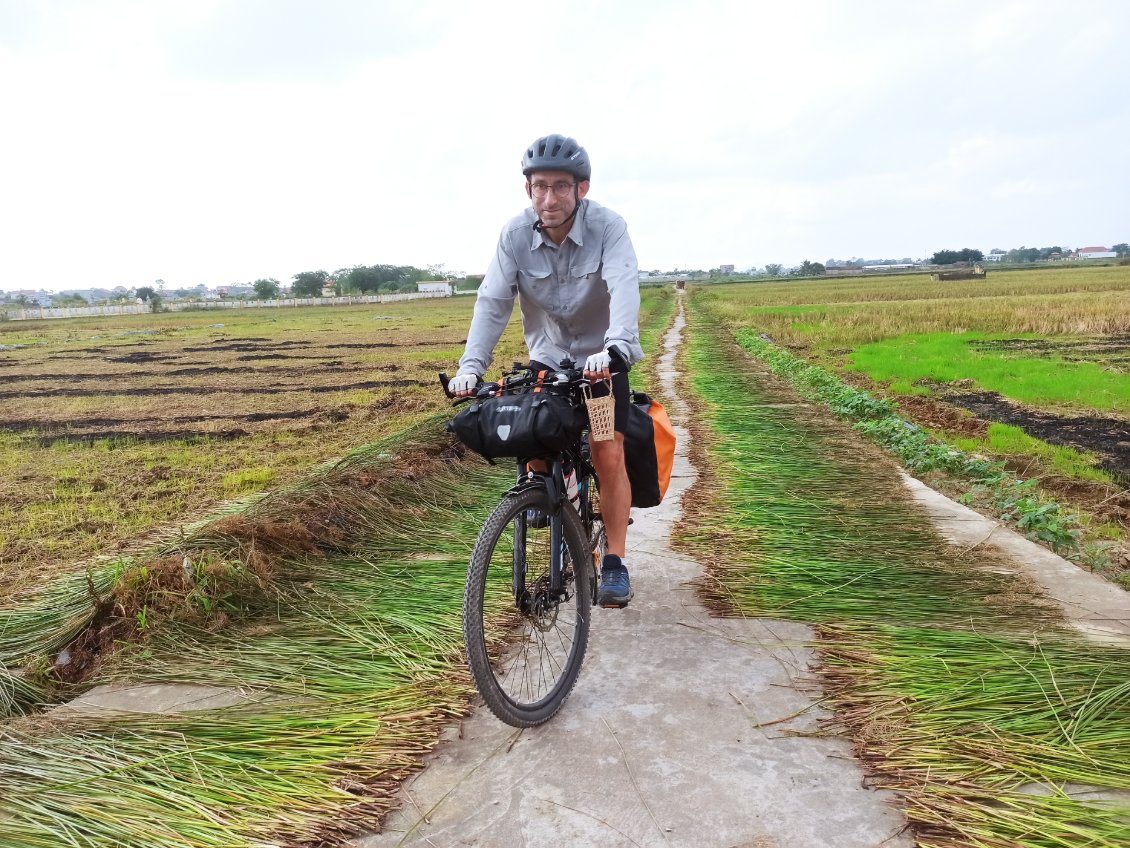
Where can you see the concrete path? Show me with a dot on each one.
(1095, 607)
(677, 734)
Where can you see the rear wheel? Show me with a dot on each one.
(525, 644)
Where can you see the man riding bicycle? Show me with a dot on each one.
(573, 269)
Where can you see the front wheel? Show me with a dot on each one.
(525, 643)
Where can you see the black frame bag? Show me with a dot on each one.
(525, 425)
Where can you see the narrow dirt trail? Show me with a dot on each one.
(660, 743)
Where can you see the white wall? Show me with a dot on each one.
(30, 313)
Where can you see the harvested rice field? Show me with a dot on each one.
(283, 547)
(961, 687)
(111, 429)
(308, 614)
(1025, 368)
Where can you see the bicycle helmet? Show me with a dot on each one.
(557, 153)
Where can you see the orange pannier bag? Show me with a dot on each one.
(649, 450)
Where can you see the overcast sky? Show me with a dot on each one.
(219, 141)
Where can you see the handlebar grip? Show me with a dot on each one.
(444, 381)
(619, 364)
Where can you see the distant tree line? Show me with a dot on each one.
(363, 279)
(949, 257)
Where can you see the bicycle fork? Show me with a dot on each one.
(554, 484)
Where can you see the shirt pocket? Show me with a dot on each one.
(533, 283)
(586, 268)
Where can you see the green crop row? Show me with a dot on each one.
(1015, 500)
(962, 690)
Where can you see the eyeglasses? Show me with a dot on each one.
(542, 189)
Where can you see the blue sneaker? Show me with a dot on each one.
(615, 587)
(536, 519)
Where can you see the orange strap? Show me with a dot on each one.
(541, 379)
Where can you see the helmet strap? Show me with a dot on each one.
(539, 226)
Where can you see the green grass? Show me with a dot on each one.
(989, 738)
(1008, 440)
(832, 539)
(247, 480)
(1042, 382)
(961, 690)
(657, 308)
(353, 658)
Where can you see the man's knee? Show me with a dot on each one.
(609, 454)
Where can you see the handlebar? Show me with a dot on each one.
(522, 376)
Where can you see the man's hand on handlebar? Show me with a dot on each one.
(463, 385)
(597, 366)
(601, 366)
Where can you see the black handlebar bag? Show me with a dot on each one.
(531, 424)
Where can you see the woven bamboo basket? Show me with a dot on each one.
(602, 415)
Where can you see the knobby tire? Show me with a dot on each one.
(525, 664)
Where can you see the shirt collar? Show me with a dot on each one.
(576, 232)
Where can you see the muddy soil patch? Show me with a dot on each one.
(369, 345)
(255, 357)
(143, 356)
(201, 390)
(80, 377)
(47, 427)
(937, 415)
(141, 436)
(1091, 349)
(1107, 437)
(248, 345)
(412, 344)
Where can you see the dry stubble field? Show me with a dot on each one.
(116, 427)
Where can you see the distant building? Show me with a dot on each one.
(1095, 253)
(235, 291)
(996, 255)
(31, 296)
(725, 269)
(435, 287)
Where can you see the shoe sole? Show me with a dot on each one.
(616, 604)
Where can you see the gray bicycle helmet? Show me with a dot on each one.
(557, 153)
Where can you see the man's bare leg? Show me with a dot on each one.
(615, 490)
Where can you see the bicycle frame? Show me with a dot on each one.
(554, 482)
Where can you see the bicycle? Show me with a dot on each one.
(534, 571)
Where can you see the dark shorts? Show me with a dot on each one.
(620, 391)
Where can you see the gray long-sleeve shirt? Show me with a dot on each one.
(577, 298)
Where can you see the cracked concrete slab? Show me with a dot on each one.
(1094, 606)
(156, 698)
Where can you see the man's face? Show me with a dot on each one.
(554, 195)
